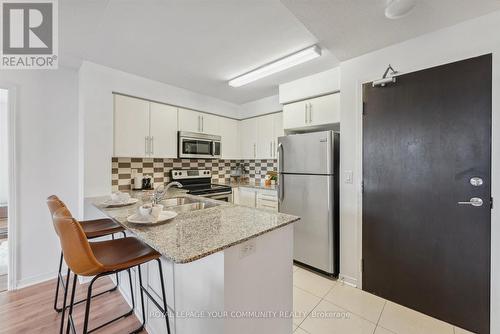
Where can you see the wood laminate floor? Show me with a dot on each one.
(29, 310)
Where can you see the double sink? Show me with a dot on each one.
(186, 204)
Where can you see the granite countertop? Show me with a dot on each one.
(248, 184)
(196, 234)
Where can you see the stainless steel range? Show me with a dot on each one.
(199, 182)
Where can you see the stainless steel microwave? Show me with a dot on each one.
(198, 145)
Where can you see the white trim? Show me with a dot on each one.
(13, 182)
(37, 279)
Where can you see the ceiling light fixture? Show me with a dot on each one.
(397, 9)
(276, 66)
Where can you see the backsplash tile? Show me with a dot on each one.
(159, 169)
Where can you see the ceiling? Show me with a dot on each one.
(350, 28)
(200, 44)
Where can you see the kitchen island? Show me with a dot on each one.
(227, 268)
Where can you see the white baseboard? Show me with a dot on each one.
(348, 280)
(26, 282)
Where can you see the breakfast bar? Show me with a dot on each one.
(227, 268)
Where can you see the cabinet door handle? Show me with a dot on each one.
(202, 123)
(146, 145)
(305, 112)
(199, 123)
(152, 140)
(310, 112)
(254, 151)
(271, 149)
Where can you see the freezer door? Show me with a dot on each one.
(310, 153)
(311, 198)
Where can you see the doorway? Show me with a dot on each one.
(4, 188)
(427, 191)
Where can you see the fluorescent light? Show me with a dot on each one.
(397, 9)
(277, 66)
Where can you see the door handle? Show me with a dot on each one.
(202, 124)
(310, 112)
(152, 141)
(305, 113)
(271, 149)
(474, 201)
(146, 145)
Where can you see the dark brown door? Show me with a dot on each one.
(425, 138)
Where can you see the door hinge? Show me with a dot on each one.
(363, 111)
(362, 187)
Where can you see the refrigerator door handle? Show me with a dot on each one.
(280, 174)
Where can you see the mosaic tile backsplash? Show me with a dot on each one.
(159, 169)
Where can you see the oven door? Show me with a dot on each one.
(195, 148)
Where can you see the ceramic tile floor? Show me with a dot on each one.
(323, 306)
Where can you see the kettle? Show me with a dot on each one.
(147, 182)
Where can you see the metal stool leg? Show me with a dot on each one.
(163, 309)
(164, 295)
(71, 302)
(60, 281)
(64, 302)
(89, 299)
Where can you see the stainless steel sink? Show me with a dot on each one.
(194, 206)
(176, 201)
(186, 204)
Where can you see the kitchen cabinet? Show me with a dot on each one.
(163, 131)
(248, 134)
(267, 200)
(247, 197)
(194, 121)
(230, 138)
(265, 137)
(144, 129)
(312, 112)
(131, 127)
(258, 136)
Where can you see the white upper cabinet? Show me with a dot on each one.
(163, 131)
(324, 110)
(248, 134)
(210, 124)
(189, 120)
(295, 115)
(312, 112)
(131, 127)
(265, 137)
(314, 85)
(230, 138)
(144, 129)
(194, 121)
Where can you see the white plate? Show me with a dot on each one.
(110, 203)
(148, 220)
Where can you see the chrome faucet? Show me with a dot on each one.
(162, 190)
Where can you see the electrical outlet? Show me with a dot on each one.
(348, 176)
(247, 248)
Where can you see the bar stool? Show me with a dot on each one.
(103, 258)
(92, 229)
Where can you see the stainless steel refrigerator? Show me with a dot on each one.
(308, 166)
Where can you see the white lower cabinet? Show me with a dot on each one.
(247, 197)
(267, 200)
(256, 198)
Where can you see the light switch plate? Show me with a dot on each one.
(348, 176)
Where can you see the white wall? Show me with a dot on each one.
(469, 39)
(47, 163)
(4, 153)
(265, 105)
(96, 116)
